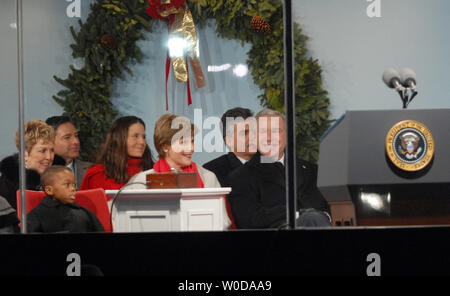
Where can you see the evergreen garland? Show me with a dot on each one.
(107, 44)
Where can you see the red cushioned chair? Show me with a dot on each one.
(93, 199)
(33, 199)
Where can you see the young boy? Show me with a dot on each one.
(58, 211)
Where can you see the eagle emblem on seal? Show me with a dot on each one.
(410, 145)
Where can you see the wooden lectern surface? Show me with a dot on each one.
(175, 192)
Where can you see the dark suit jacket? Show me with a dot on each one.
(258, 196)
(79, 168)
(9, 180)
(223, 166)
(53, 216)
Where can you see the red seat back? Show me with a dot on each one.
(93, 199)
(33, 199)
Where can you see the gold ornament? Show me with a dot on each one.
(183, 27)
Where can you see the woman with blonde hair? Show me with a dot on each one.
(39, 154)
(174, 142)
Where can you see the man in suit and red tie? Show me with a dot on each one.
(258, 196)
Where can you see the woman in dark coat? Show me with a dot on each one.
(39, 154)
(8, 218)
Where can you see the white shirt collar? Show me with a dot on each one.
(70, 166)
(241, 159)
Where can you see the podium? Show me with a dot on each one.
(164, 210)
(364, 187)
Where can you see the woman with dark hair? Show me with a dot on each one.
(123, 154)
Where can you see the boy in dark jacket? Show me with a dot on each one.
(58, 211)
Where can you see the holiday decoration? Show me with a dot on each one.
(108, 42)
(163, 8)
(87, 90)
(259, 25)
(182, 28)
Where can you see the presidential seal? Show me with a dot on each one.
(410, 145)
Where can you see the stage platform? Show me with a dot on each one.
(266, 253)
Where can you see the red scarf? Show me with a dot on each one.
(134, 166)
(161, 166)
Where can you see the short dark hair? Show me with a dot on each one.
(234, 113)
(56, 121)
(49, 174)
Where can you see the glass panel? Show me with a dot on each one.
(100, 61)
(373, 170)
(9, 94)
(114, 63)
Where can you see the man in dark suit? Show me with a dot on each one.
(258, 196)
(236, 126)
(67, 147)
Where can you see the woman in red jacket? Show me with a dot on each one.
(123, 154)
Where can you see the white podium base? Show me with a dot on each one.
(164, 210)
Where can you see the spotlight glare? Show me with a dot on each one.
(240, 70)
(176, 47)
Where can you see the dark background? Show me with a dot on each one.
(411, 251)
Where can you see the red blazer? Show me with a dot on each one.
(95, 176)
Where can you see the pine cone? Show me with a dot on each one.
(259, 25)
(108, 42)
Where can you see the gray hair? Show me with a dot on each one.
(269, 112)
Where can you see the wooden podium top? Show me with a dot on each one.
(170, 193)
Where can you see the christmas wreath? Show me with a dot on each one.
(106, 42)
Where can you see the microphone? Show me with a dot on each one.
(402, 82)
(408, 78)
(393, 80)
